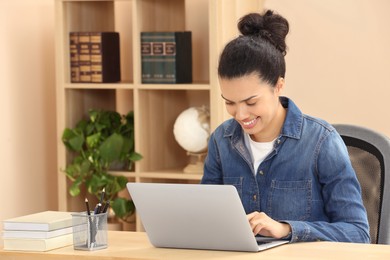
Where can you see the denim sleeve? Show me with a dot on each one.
(212, 165)
(342, 198)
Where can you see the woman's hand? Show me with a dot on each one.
(263, 225)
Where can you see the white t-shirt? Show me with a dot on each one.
(259, 151)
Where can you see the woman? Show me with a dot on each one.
(292, 171)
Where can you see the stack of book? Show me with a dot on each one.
(41, 231)
(94, 57)
(166, 57)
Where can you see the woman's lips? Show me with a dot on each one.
(249, 124)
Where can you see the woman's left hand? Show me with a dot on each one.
(263, 225)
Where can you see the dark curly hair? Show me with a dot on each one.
(260, 48)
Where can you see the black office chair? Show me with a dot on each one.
(370, 156)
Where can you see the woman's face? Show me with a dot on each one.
(255, 105)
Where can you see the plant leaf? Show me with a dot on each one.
(93, 140)
(81, 126)
(134, 156)
(122, 207)
(93, 114)
(85, 166)
(73, 139)
(111, 148)
(127, 147)
(74, 189)
(95, 184)
(122, 181)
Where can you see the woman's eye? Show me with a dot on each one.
(251, 104)
(229, 103)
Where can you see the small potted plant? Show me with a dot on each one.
(99, 144)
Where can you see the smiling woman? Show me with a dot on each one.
(292, 171)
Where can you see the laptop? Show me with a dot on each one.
(196, 216)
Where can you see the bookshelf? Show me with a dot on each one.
(155, 106)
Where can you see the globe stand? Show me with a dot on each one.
(197, 166)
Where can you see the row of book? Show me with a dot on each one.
(166, 57)
(41, 231)
(94, 57)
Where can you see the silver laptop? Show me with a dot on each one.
(196, 216)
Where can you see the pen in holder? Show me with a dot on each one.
(89, 231)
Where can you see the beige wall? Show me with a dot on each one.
(27, 107)
(339, 59)
(337, 69)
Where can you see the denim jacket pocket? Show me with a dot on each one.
(290, 200)
(236, 182)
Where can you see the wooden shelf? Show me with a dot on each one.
(99, 86)
(155, 106)
(166, 174)
(174, 87)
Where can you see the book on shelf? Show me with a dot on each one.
(20, 244)
(42, 221)
(84, 57)
(36, 234)
(74, 57)
(105, 57)
(97, 59)
(166, 57)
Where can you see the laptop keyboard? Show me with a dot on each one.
(264, 240)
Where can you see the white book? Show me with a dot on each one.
(36, 234)
(21, 244)
(42, 221)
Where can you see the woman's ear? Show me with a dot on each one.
(279, 86)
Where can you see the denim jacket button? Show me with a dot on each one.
(261, 172)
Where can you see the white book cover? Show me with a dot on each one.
(21, 244)
(36, 234)
(42, 221)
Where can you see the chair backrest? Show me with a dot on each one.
(370, 156)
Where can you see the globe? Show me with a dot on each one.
(192, 131)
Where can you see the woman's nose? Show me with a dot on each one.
(241, 112)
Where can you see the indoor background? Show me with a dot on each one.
(337, 69)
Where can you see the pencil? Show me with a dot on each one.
(105, 208)
(90, 222)
(102, 195)
(87, 204)
(97, 208)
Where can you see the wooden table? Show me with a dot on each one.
(135, 245)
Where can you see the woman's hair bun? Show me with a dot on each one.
(268, 26)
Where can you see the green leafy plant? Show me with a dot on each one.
(104, 140)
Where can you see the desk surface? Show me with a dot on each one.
(135, 245)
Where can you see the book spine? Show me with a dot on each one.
(146, 52)
(155, 61)
(96, 57)
(159, 62)
(170, 61)
(105, 57)
(183, 64)
(74, 57)
(40, 245)
(26, 234)
(84, 57)
(166, 57)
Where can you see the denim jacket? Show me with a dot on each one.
(307, 180)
